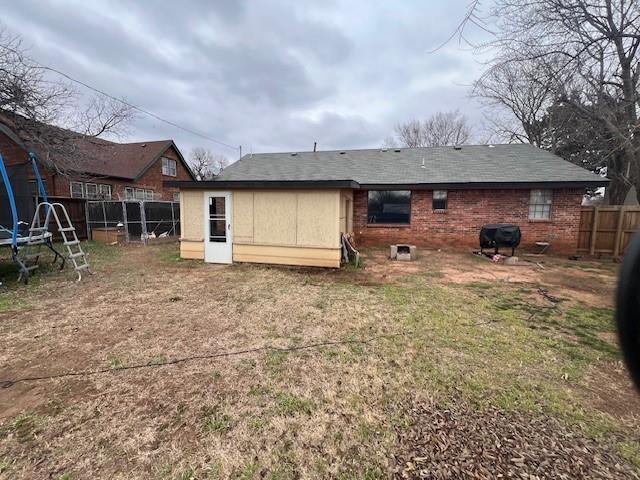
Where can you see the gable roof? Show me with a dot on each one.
(467, 166)
(91, 155)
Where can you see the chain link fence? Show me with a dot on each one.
(139, 220)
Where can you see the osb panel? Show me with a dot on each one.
(192, 215)
(243, 217)
(274, 220)
(318, 219)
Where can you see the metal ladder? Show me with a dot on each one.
(37, 237)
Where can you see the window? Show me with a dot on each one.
(169, 167)
(148, 194)
(33, 187)
(439, 200)
(389, 207)
(91, 190)
(77, 190)
(104, 191)
(176, 196)
(540, 205)
(139, 193)
(129, 193)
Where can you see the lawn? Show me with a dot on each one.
(448, 367)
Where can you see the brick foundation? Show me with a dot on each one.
(467, 211)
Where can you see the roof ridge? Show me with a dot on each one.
(298, 152)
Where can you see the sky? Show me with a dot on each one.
(268, 75)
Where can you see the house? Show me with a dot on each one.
(80, 166)
(290, 208)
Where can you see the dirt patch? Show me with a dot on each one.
(457, 441)
(607, 386)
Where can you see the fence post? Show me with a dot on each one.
(618, 240)
(594, 231)
(125, 220)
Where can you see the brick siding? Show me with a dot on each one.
(467, 211)
(58, 185)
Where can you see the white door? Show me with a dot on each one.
(217, 227)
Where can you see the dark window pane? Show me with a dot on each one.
(216, 205)
(389, 206)
(217, 231)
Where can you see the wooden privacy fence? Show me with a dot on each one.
(607, 230)
(76, 208)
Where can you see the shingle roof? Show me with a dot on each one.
(91, 155)
(512, 164)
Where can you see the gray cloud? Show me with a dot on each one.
(272, 76)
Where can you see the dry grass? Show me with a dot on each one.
(450, 329)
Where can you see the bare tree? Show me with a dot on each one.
(586, 46)
(441, 128)
(41, 110)
(205, 164)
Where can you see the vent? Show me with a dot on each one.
(491, 146)
(397, 150)
(342, 153)
(457, 147)
(294, 154)
(383, 150)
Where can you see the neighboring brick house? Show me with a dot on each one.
(101, 169)
(291, 208)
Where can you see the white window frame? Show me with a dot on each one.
(129, 193)
(93, 196)
(148, 194)
(169, 167)
(82, 190)
(139, 194)
(540, 204)
(176, 196)
(104, 191)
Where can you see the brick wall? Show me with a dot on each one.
(467, 211)
(58, 185)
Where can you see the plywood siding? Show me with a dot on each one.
(242, 216)
(274, 218)
(192, 215)
(316, 257)
(346, 211)
(317, 217)
(193, 250)
(307, 218)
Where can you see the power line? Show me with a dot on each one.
(124, 102)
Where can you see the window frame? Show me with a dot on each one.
(148, 194)
(434, 200)
(139, 193)
(94, 196)
(71, 184)
(176, 196)
(129, 193)
(169, 167)
(371, 223)
(101, 191)
(543, 204)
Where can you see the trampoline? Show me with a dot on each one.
(20, 226)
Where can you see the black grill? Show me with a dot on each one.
(500, 235)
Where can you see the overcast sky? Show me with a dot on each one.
(267, 75)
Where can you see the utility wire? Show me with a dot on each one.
(124, 102)
(209, 356)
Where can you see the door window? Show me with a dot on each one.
(217, 220)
